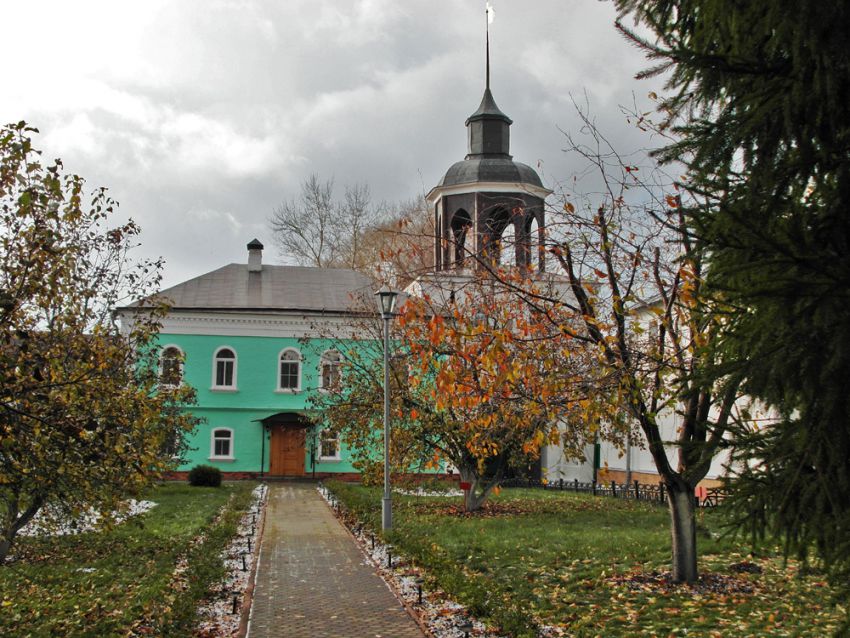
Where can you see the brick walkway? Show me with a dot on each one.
(312, 580)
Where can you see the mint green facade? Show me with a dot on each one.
(255, 397)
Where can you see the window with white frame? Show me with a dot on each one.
(224, 369)
(171, 366)
(222, 444)
(289, 370)
(328, 446)
(329, 369)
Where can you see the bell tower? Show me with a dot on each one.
(489, 209)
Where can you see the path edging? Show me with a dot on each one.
(248, 596)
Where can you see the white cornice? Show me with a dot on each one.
(490, 187)
(253, 324)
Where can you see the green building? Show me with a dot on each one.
(252, 339)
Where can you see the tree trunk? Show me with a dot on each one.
(5, 546)
(684, 532)
(13, 524)
(7, 527)
(474, 497)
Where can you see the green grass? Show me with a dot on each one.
(120, 582)
(566, 560)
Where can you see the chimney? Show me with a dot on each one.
(255, 256)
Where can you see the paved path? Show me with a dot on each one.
(312, 580)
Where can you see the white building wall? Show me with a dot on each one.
(641, 459)
(555, 467)
(612, 458)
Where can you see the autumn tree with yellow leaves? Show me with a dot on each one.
(503, 375)
(478, 383)
(83, 423)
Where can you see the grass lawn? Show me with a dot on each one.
(591, 567)
(120, 582)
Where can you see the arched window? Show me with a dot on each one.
(224, 368)
(461, 223)
(171, 366)
(221, 446)
(329, 369)
(289, 370)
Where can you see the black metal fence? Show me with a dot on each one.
(652, 492)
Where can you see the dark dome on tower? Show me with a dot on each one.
(490, 170)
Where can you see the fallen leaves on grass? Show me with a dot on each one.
(745, 567)
(662, 582)
(516, 507)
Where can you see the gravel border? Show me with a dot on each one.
(225, 612)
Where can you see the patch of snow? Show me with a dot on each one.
(422, 492)
(53, 522)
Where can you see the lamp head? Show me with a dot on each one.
(386, 299)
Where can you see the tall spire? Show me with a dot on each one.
(489, 133)
(487, 13)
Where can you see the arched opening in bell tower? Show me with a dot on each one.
(461, 223)
(535, 255)
(497, 223)
(507, 246)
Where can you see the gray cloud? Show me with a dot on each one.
(201, 117)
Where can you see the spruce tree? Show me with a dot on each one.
(760, 99)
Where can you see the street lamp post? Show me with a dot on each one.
(387, 299)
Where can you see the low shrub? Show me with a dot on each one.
(205, 476)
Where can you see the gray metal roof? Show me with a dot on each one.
(488, 110)
(282, 288)
(490, 169)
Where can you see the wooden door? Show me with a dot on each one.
(287, 451)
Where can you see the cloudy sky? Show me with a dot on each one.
(201, 116)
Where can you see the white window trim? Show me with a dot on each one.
(213, 456)
(297, 387)
(324, 359)
(182, 365)
(225, 388)
(322, 456)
